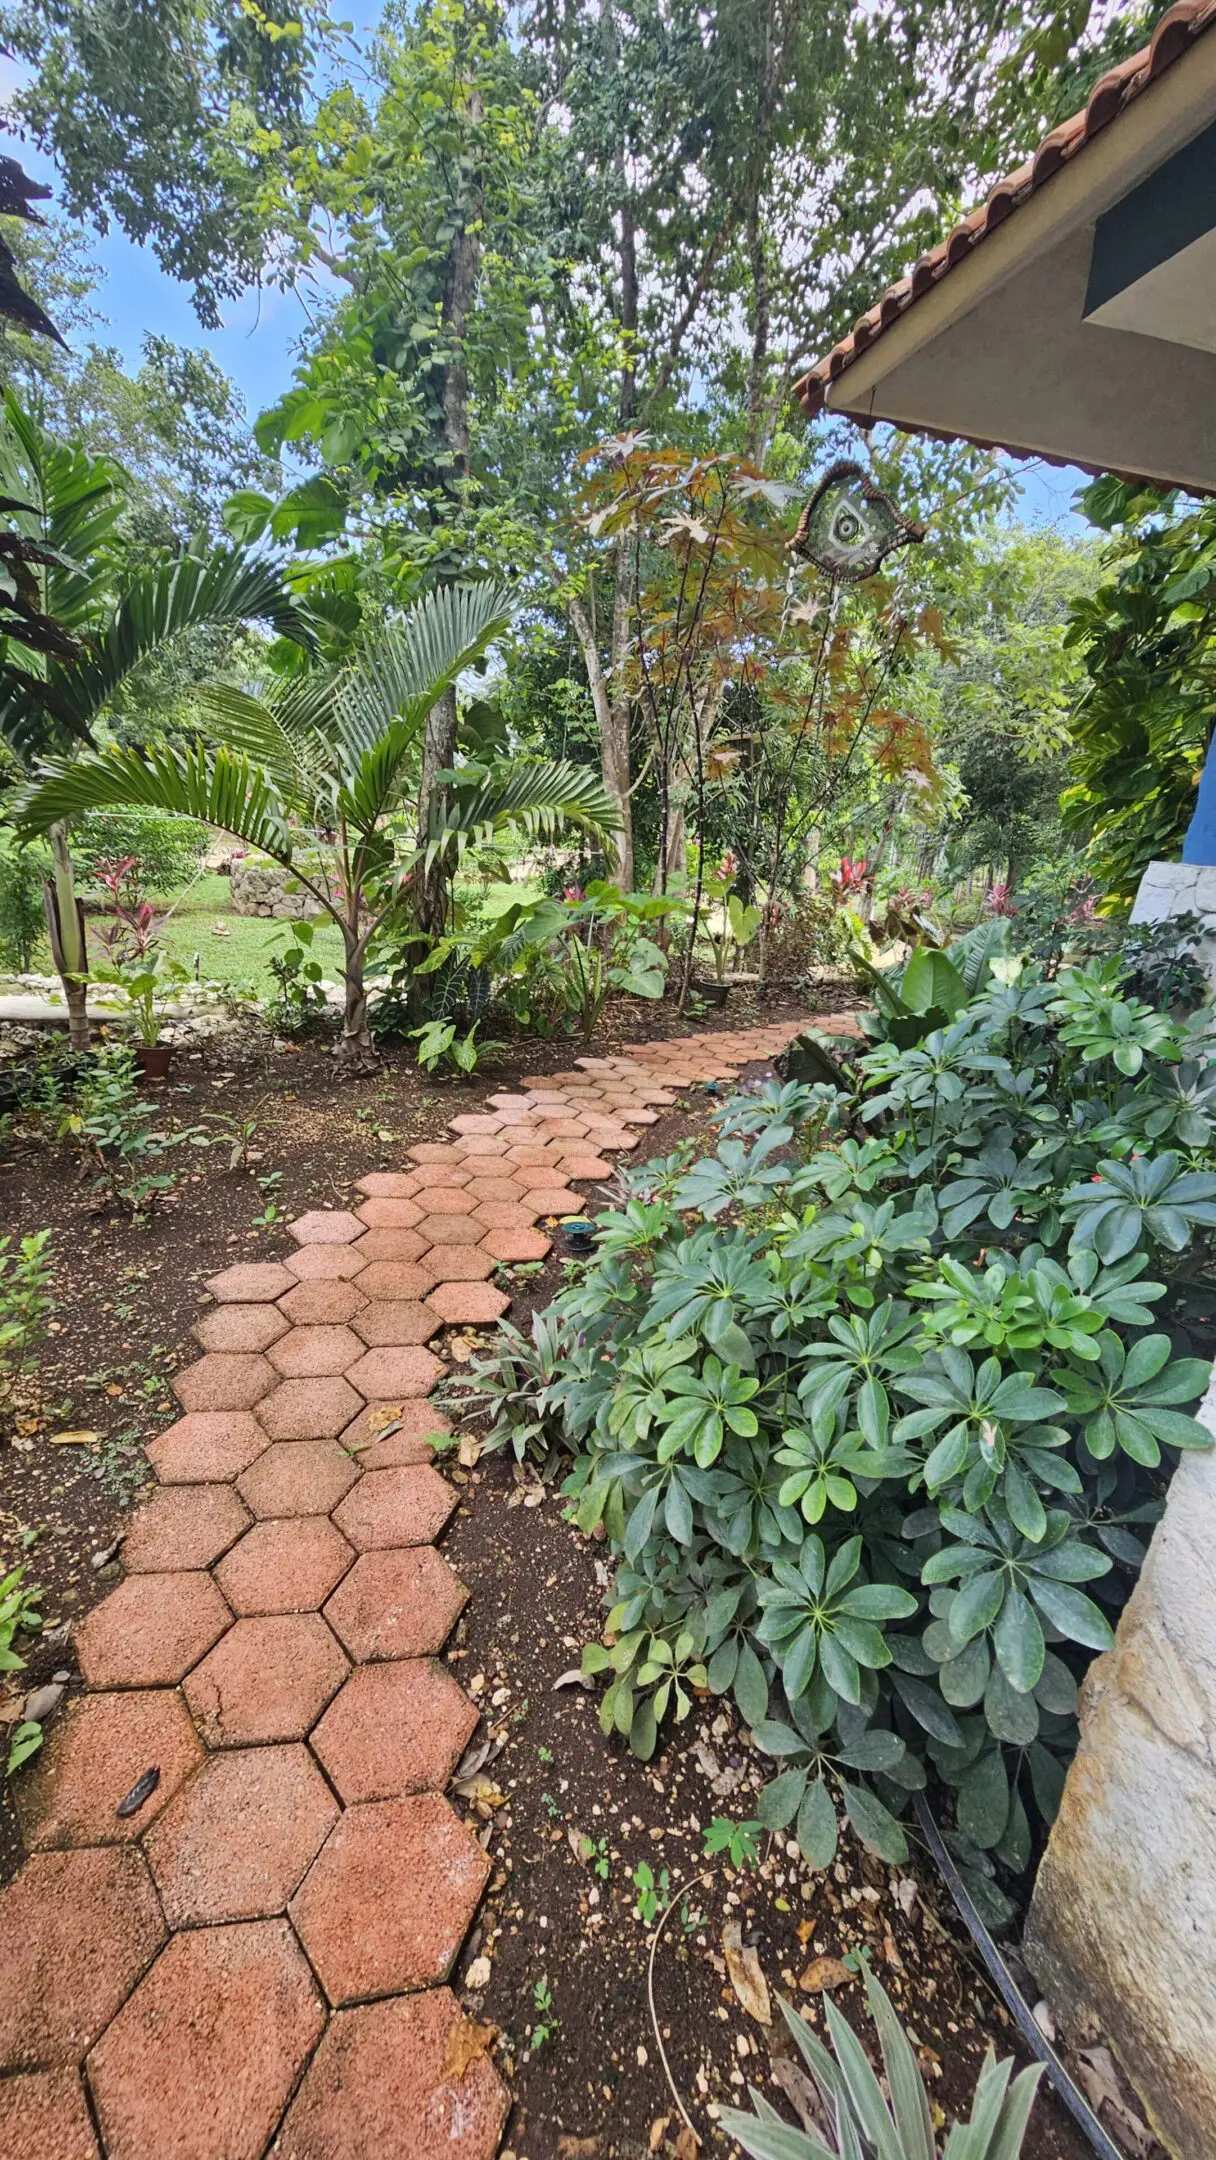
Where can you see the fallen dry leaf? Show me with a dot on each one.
(688, 2144)
(482, 1791)
(803, 2095)
(824, 1973)
(579, 2148)
(384, 1415)
(478, 1975)
(469, 1454)
(573, 1678)
(467, 2042)
(1099, 2079)
(746, 1976)
(74, 1439)
(658, 2131)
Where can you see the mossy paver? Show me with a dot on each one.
(252, 1957)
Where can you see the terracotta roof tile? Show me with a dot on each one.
(1175, 34)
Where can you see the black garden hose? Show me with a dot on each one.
(1015, 2002)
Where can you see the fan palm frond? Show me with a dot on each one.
(218, 786)
(400, 675)
(536, 796)
(223, 586)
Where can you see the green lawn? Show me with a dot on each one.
(235, 948)
(199, 928)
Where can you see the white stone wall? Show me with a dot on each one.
(1122, 1929)
(260, 888)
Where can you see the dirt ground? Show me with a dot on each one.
(559, 1961)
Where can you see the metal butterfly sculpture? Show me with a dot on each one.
(849, 526)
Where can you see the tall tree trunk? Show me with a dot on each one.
(611, 708)
(430, 901)
(66, 930)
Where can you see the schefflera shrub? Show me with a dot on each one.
(877, 1402)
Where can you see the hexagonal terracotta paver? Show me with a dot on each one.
(236, 1842)
(321, 1304)
(482, 1146)
(93, 1757)
(553, 1200)
(76, 1931)
(206, 1445)
(390, 1214)
(380, 1373)
(487, 1191)
(325, 1226)
(240, 1327)
(308, 1409)
(445, 1199)
(395, 1323)
(459, 1263)
(438, 1151)
(548, 1179)
(534, 1155)
(315, 1353)
(469, 1303)
(586, 1166)
(182, 1526)
(380, 2084)
(284, 1567)
(387, 1184)
(507, 1245)
(394, 1729)
(448, 1176)
(389, 1899)
(297, 1477)
(388, 1245)
(268, 1680)
(395, 1279)
(476, 1122)
(209, 2046)
(323, 1263)
(44, 2113)
(449, 1230)
(250, 1282)
(391, 1436)
(518, 1214)
(397, 1604)
(220, 1381)
(150, 1630)
(396, 1507)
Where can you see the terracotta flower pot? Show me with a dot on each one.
(154, 1059)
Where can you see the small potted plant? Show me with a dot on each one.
(141, 985)
(738, 926)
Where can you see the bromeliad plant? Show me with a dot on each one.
(872, 1402)
(865, 2123)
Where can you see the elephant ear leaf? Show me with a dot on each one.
(929, 980)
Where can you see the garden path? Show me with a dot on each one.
(245, 1889)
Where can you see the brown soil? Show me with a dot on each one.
(593, 2087)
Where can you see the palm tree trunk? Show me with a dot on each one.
(356, 1051)
(66, 929)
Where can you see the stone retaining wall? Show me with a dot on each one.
(261, 888)
(1122, 1929)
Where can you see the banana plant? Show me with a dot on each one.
(337, 752)
(67, 506)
